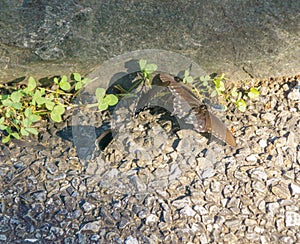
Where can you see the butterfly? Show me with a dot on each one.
(184, 104)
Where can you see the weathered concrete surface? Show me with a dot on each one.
(241, 38)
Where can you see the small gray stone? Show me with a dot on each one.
(272, 207)
(151, 219)
(292, 219)
(263, 143)
(251, 158)
(95, 237)
(295, 189)
(281, 191)
(258, 173)
(175, 172)
(208, 173)
(31, 240)
(294, 95)
(138, 185)
(87, 207)
(91, 226)
(187, 211)
(131, 240)
(123, 223)
(3, 237)
(233, 223)
(181, 203)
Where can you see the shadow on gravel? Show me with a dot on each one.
(86, 138)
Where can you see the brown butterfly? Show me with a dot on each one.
(187, 106)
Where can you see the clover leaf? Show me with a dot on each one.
(57, 112)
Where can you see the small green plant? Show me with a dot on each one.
(105, 100)
(80, 82)
(235, 96)
(147, 70)
(214, 85)
(27, 105)
(187, 78)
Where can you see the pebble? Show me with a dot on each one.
(281, 191)
(272, 207)
(187, 211)
(294, 95)
(151, 219)
(292, 219)
(131, 240)
(233, 223)
(263, 143)
(87, 207)
(92, 226)
(251, 158)
(3, 237)
(295, 189)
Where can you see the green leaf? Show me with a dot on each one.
(241, 105)
(49, 104)
(234, 92)
(189, 79)
(8, 113)
(32, 131)
(27, 112)
(37, 98)
(142, 64)
(64, 79)
(205, 78)
(86, 81)
(24, 132)
(150, 68)
(9, 103)
(34, 118)
(77, 76)
(15, 135)
(55, 80)
(253, 93)
(26, 122)
(3, 127)
(100, 93)
(55, 117)
(31, 84)
(110, 99)
(221, 87)
(6, 139)
(64, 84)
(58, 109)
(102, 106)
(56, 113)
(78, 86)
(16, 96)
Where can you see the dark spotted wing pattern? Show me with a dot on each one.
(186, 105)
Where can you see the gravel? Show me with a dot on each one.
(155, 185)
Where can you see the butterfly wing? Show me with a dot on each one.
(186, 105)
(199, 116)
